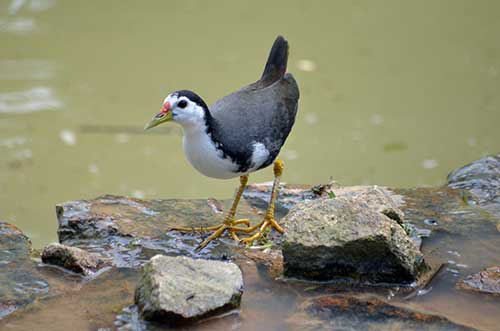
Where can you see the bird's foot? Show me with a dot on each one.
(209, 228)
(261, 229)
(229, 225)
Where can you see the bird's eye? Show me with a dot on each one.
(182, 104)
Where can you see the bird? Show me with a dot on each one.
(239, 134)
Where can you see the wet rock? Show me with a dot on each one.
(482, 179)
(272, 259)
(71, 258)
(176, 290)
(343, 312)
(20, 282)
(357, 237)
(486, 281)
(127, 232)
(289, 195)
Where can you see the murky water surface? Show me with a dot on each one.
(392, 93)
(395, 94)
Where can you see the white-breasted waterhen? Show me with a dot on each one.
(239, 134)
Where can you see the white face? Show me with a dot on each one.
(184, 111)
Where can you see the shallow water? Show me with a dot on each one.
(461, 236)
(394, 94)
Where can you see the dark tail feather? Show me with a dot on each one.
(276, 62)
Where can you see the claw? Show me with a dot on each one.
(230, 224)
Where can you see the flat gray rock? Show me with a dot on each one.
(176, 290)
(71, 258)
(486, 281)
(127, 232)
(358, 237)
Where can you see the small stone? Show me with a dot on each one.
(486, 281)
(71, 258)
(176, 290)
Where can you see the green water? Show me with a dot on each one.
(393, 93)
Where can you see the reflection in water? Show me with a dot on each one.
(429, 164)
(34, 5)
(19, 25)
(26, 70)
(68, 137)
(12, 142)
(23, 25)
(15, 5)
(27, 101)
(306, 65)
(311, 118)
(377, 119)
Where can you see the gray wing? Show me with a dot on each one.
(256, 114)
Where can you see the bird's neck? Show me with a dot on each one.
(205, 126)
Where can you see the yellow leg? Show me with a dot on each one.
(269, 218)
(229, 221)
(230, 224)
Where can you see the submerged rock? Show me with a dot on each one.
(357, 237)
(71, 258)
(350, 313)
(20, 283)
(482, 179)
(486, 281)
(176, 290)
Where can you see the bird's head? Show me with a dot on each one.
(184, 107)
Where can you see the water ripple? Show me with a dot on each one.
(27, 101)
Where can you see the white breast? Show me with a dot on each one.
(204, 157)
(207, 159)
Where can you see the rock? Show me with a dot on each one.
(20, 283)
(71, 258)
(350, 238)
(344, 312)
(289, 195)
(482, 179)
(127, 232)
(486, 281)
(272, 259)
(176, 290)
